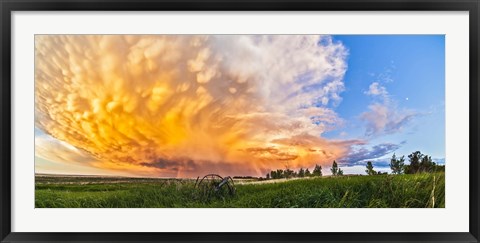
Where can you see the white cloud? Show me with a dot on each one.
(376, 89)
(383, 115)
(383, 118)
(55, 150)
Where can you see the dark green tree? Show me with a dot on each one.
(288, 173)
(278, 174)
(307, 173)
(340, 172)
(397, 165)
(439, 168)
(317, 171)
(420, 163)
(369, 169)
(414, 165)
(301, 173)
(427, 165)
(334, 168)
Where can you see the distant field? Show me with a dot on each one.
(381, 191)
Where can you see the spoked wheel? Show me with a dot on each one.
(208, 184)
(215, 185)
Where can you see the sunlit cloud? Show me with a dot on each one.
(180, 105)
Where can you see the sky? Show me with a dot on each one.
(189, 105)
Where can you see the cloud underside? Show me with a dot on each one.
(182, 105)
(360, 156)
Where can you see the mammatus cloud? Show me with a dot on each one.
(179, 105)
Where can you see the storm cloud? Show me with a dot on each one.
(149, 102)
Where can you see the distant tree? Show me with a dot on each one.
(317, 171)
(278, 174)
(369, 169)
(307, 173)
(406, 169)
(397, 165)
(334, 168)
(288, 173)
(340, 172)
(414, 165)
(426, 164)
(268, 176)
(420, 163)
(301, 173)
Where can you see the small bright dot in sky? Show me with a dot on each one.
(406, 98)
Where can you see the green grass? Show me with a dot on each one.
(382, 191)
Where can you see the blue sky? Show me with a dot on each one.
(411, 69)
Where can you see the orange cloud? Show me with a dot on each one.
(183, 105)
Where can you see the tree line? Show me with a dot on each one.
(419, 163)
(301, 173)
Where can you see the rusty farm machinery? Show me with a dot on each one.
(213, 185)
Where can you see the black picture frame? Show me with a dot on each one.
(7, 6)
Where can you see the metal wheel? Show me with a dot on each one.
(208, 184)
(214, 185)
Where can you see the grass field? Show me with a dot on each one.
(381, 191)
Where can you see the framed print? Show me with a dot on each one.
(239, 121)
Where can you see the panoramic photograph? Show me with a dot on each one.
(239, 121)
